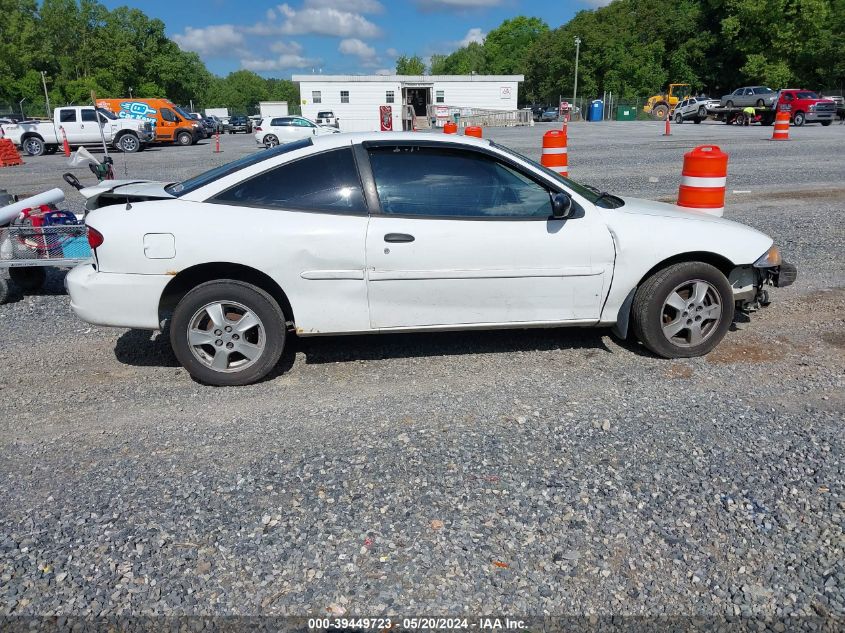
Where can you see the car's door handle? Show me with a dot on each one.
(398, 237)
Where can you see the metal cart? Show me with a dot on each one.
(28, 250)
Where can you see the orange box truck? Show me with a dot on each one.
(170, 122)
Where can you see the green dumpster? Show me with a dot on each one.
(626, 113)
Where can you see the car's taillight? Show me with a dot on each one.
(258, 129)
(95, 238)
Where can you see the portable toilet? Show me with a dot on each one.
(596, 112)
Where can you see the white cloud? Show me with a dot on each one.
(286, 47)
(392, 52)
(325, 21)
(271, 14)
(353, 6)
(354, 46)
(282, 62)
(211, 40)
(597, 3)
(456, 5)
(386, 71)
(473, 35)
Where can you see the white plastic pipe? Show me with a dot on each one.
(10, 212)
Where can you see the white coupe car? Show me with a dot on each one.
(278, 130)
(393, 232)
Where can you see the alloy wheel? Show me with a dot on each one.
(691, 313)
(226, 336)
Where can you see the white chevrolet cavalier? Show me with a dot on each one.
(354, 233)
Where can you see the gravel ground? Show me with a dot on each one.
(553, 472)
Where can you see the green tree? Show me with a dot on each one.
(410, 65)
(506, 47)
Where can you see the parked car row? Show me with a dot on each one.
(804, 106)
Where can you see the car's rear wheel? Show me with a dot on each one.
(702, 112)
(228, 333)
(729, 104)
(33, 146)
(684, 310)
(271, 140)
(760, 103)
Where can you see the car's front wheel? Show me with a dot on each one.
(684, 310)
(228, 333)
(799, 119)
(679, 118)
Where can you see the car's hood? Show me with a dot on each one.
(640, 206)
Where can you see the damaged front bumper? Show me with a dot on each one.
(749, 283)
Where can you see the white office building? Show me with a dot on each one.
(368, 103)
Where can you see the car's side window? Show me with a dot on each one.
(280, 122)
(324, 182)
(168, 115)
(302, 123)
(88, 115)
(67, 116)
(446, 182)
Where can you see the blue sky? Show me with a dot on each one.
(336, 36)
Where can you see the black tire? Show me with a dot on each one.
(128, 143)
(660, 111)
(826, 123)
(729, 104)
(184, 138)
(651, 309)
(255, 300)
(702, 112)
(51, 149)
(696, 120)
(271, 140)
(33, 146)
(28, 278)
(679, 118)
(4, 291)
(760, 103)
(799, 119)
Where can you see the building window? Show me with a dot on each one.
(388, 96)
(316, 96)
(439, 97)
(344, 96)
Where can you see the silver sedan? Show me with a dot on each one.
(757, 96)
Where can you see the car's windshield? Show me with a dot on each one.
(807, 95)
(181, 188)
(598, 198)
(107, 114)
(183, 114)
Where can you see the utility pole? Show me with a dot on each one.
(46, 96)
(575, 89)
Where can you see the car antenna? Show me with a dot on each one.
(128, 204)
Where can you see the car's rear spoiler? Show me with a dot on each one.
(111, 192)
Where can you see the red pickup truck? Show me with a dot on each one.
(805, 106)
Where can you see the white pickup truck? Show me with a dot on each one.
(81, 127)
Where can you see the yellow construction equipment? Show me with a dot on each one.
(660, 105)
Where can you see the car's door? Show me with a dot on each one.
(304, 128)
(70, 121)
(465, 237)
(169, 121)
(303, 223)
(89, 126)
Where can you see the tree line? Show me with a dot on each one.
(634, 48)
(82, 47)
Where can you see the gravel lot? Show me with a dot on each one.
(541, 472)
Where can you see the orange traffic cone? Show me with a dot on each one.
(65, 144)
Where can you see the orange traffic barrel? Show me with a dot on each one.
(473, 130)
(703, 180)
(450, 128)
(781, 131)
(555, 155)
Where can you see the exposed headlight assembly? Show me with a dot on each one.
(769, 259)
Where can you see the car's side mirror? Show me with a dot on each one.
(561, 206)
